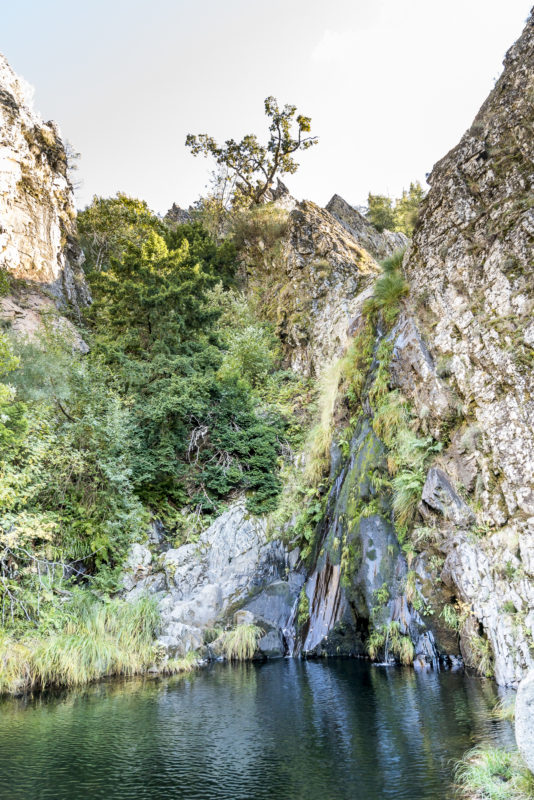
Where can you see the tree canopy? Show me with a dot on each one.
(386, 213)
(253, 166)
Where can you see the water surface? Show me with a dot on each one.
(320, 730)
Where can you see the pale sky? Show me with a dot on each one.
(390, 85)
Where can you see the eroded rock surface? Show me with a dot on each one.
(379, 245)
(472, 290)
(37, 212)
(524, 720)
(201, 585)
(313, 286)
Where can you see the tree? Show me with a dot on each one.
(253, 166)
(396, 215)
(407, 208)
(109, 224)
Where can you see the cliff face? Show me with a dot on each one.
(310, 277)
(472, 289)
(37, 213)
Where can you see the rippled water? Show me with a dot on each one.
(287, 729)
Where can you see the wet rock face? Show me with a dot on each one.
(359, 580)
(37, 212)
(200, 585)
(524, 720)
(472, 298)
(379, 245)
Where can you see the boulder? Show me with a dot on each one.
(440, 496)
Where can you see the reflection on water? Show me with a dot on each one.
(285, 729)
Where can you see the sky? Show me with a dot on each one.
(390, 85)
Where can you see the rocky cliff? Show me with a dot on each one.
(472, 297)
(37, 212)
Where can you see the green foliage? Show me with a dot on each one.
(241, 643)
(450, 616)
(481, 655)
(387, 295)
(252, 167)
(109, 225)
(388, 639)
(491, 773)
(380, 212)
(396, 215)
(406, 211)
(66, 495)
(197, 436)
(303, 612)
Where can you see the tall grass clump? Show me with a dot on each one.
(98, 639)
(394, 262)
(491, 773)
(320, 439)
(241, 643)
(388, 637)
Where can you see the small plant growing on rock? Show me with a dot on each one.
(241, 643)
(303, 613)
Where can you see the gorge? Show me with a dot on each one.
(336, 461)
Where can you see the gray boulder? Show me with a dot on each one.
(524, 719)
(440, 496)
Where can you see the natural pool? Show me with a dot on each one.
(320, 730)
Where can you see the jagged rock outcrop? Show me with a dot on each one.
(177, 215)
(311, 283)
(37, 212)
(233, 567)
(472, 290)
(379, 245)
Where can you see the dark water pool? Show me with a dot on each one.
(325, 730)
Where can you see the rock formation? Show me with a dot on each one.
(37, 212)
(311, 281)
(379, 245)
(232, 567)
(524, 720)
(472, 296)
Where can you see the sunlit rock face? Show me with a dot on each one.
(472, 295)
(311, 285)
(379, 245)
(37, 213)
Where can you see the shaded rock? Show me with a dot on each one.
(440, 496)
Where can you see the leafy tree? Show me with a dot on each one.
(251, 165)
(197, 436)
(109, 224)
(380, 212)
(407, 208)
(396, 215)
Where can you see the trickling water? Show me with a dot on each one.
(283, 730)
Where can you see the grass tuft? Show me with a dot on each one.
(100, 639)
(241, 643)
(490, 773)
